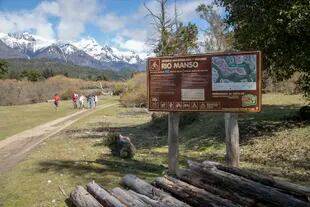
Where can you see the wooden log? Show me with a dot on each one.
(232, 139)
(81, 198)
(191, 194)
(199, 181)
(147, 200)
(103, 196)
(144, 188)
(173, 141)
(127, 199)
(248, 187)
(302, 192)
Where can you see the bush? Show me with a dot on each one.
(119, 88)
(305, 112)
(136, 94)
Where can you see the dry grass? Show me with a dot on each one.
(14, 92)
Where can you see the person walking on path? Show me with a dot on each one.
(56, 100)
(88, 101)
(75, 98)
(96, 100)
(82, 99)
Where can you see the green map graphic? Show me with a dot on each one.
(237, 68)
(234, 72)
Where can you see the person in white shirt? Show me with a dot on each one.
(96, 100)
(82, 99)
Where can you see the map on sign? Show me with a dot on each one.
(234, 72)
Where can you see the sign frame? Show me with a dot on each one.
(244, 108)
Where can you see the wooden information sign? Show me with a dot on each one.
(225, 82)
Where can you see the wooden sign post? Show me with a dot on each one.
(232, 139)
(173, 141)
(215, 82)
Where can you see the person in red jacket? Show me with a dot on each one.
(75, 98)
(56, 99)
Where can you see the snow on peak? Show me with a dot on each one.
(29, 44)
(25, 41)
(68, 48)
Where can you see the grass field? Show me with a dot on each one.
(273, 142)
(15, 119)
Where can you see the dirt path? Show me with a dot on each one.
(15, 148)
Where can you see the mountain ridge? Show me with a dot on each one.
(85, 52)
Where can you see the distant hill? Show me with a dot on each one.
(68, 69)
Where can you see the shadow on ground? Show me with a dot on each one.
(204, 129)
(100, 166)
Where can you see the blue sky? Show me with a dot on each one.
(123, 24)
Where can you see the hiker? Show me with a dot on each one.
(89, 101)
(75, 98)
(96, 100)
(81, 101)
(56, 100)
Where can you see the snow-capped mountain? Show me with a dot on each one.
(85, 52)
(106, 53)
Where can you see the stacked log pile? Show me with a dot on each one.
(203, 184)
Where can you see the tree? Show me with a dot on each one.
(216, 39)
(101, 77)
(30, 75)
(173, 37)
(47, 73)
(3, 68)
(280, 29)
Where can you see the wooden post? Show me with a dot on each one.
(173, 141)
(232, 139)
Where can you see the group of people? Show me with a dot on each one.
(79, 101)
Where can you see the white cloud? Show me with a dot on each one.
(26, 20)
(72, 14)
(138, 46)
(134, 45)
(110, 22)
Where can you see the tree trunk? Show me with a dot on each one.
(81, 198)
(103, 196)
(302, 192)
(248, 187)
(232, 139)
(127, 198)
(191, 194)
(199, 181)
(144, 188)
(173, 141)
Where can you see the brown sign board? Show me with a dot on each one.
(224, 82)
